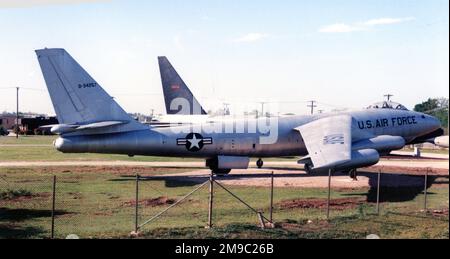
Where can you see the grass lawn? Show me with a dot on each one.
(98, 203)
(28, 140)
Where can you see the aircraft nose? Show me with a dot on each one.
(434, 122)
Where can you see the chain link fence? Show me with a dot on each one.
(96, 205)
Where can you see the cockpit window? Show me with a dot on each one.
(388, 105)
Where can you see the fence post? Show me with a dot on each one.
(378, 191)
(53, 207)
(329, 194)
(211, 199)
(425, 205)
(136, 219)
(271, 199)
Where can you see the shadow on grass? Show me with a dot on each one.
(9, 231)
(17, 215)
(397, 187)
(169, 181)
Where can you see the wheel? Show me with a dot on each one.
(308, 168)
(260, 163)
(354, 174)
(213, 165)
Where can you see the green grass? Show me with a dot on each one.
(97, 203)
(388, 226)
(28, 140)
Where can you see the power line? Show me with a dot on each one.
(32, 89)
(22, 88)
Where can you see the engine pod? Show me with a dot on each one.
(361, 158)
(232, 162)
(381, 143)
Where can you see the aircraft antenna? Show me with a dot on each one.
(388, 96)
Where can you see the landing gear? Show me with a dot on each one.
(308, 168)
(354, 174)
(260, 163)
(213, 165)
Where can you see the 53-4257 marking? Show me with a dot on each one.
(89, 85)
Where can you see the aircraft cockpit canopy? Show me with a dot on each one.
(388, 105)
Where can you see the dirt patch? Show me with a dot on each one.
(336, 204)
(19, 199)
(408, 170)
(116, 170)
(160, 201)
(113, 169)
(439, 213)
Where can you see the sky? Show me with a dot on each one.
(341, 53)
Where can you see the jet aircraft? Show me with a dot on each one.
(92, 122)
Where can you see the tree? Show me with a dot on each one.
(427, 106)
(437, 107)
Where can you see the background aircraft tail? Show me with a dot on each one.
(77, 98)
(176, 92)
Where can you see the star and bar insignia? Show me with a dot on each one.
(194, 142)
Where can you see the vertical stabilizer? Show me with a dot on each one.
(176, 93)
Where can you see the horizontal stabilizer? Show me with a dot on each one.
(70, 128)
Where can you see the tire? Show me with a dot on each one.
(260, 163)
(353, 174)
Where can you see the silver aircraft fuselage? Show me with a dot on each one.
(173, 141)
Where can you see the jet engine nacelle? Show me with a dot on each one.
(381, 143)
(361, 158)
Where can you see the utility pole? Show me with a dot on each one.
(388, 96)
(312, 106)
(17, 112)
(262, 108)
(226, 109)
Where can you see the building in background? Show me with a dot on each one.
(8, 121)
(32, 126)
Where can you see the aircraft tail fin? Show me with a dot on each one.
(178, 98)
(77, 98)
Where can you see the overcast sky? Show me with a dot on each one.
(342, 53)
